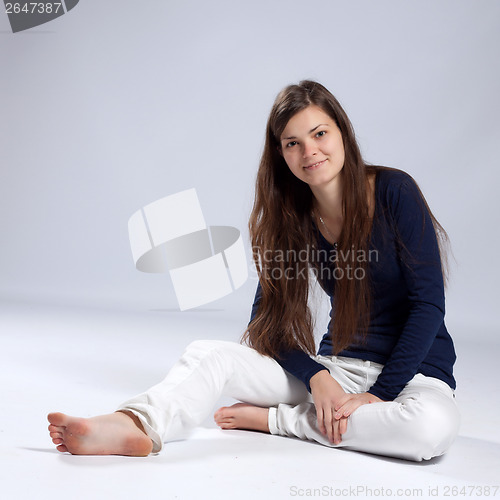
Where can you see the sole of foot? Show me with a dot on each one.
(118, 433)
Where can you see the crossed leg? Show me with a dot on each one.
(243, 416)
(206, 371)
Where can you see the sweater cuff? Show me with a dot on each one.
(380, 393)
(318, 369)
(300, 365)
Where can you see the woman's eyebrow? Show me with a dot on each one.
(310, 131)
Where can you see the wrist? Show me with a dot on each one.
(323, 381)
(318, 376)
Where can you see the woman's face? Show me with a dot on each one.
(312, 147)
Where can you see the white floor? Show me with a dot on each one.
(84, 361)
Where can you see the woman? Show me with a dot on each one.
(382, 380)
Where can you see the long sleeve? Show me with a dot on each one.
(296, 362)
(421, 269)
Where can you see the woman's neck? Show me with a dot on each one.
(328, 199)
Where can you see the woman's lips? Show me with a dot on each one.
(314, 166)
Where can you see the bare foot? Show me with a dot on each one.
(118, 433)
(242, 416)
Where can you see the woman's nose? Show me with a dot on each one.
(309, 149)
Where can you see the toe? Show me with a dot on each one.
(218, 412)
(62, 448)
(58, 419)
(225, 421)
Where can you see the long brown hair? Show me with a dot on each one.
(282, 232)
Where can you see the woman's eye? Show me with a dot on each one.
(321, 133)
(291, 144)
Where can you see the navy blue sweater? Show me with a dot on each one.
(406, 333)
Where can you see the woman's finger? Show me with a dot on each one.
(347, 409)
(343, 425)
(341, 411)
(319, 418)
(329, 424)
(342, 401)
(337, 438)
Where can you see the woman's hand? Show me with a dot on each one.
(347, 403)
(327, 393)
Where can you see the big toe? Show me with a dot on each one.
(220, 413)
(58, 419)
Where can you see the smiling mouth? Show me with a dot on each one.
(314, 165)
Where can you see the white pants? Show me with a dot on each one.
(419, 424)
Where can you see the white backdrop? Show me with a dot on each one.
(119, 103)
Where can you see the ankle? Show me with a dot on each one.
(134, 419)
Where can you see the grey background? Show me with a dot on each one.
(119, 103)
